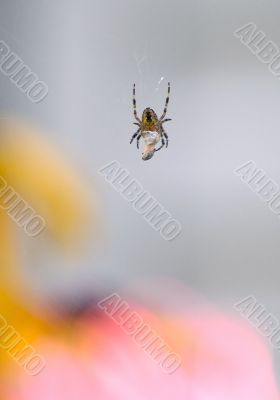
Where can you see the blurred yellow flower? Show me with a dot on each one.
(41, 176)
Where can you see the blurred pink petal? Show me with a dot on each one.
(223, 359)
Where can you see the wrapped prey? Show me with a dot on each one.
(151, 138)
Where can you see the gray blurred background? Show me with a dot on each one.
(225, 109)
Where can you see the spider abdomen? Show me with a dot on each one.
(149, 120)
(149, 126)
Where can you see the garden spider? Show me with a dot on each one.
(150, 128)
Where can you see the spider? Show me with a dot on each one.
(150, 128)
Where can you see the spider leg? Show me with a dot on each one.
(162, 143)
(166, 103)
(134, 106)
(136, 123)
(138, 138)
(166, 120)
(134, 136)
(166, 137)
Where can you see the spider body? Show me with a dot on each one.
(150, 128)
(149, 120)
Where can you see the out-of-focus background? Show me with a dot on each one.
(224, 107)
